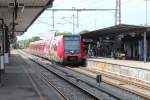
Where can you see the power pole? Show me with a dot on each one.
(78, 20)
(77, 10)
(146, 1)
(118, 12)
(53, 19)
(73, 21)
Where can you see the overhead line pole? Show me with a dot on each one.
(78, 20)
(53, 11)
(73, 21)
(118, 12)
(53, 20)
(146, 1)
(145, 34)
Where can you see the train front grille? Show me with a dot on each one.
(72, 58)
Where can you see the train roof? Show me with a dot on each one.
(38, 42)
(69, 35)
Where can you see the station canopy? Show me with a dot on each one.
(115, 30)
(18, 15)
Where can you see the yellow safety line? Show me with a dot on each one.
(34, 85)
(33, 82)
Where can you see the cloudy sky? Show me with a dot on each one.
(133, 12)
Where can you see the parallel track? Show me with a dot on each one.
(75, 84)
(114, 84)
(105, 91)
(44, 78)
(115, 78)
(56, 74)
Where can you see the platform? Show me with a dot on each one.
(17, 85)
(22, 83)
(137, 70)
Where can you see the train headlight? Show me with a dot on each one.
(72, 51)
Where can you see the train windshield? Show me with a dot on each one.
(72, 43)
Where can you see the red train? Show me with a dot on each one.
(66, 49)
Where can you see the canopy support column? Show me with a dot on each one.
(2, 67)
(145, 47)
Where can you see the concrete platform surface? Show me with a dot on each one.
(22, 81)
(134, 70)
(17, 85)
(128, 63)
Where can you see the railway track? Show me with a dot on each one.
(96, 93)
(61, 84)
(119, 78)
(114, 82)
(43, 78)
(139, 95)
(117, 82)
(48, 83)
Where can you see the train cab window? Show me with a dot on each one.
(72, 44)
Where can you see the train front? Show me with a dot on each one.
(73, 49)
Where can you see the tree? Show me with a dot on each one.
(25, 43)
(36, 38)
(62, 33)
(84, 31)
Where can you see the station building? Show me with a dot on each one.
(121, 42)
(105, 48)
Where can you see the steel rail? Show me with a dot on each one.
(115, 78)
(130, 91)
(34, 60)
(55, 73)
(108, 82)
(49, 83)
(120, 78)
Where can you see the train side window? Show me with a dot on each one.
(55, 47)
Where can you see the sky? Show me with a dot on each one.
(132, 12)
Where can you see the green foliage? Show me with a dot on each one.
(84, 31)
(69, 33)
(36, 38)
(15, 45)
(62, 33)
(25, 43)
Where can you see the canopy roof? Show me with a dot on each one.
(21, 13)
(114, 30)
